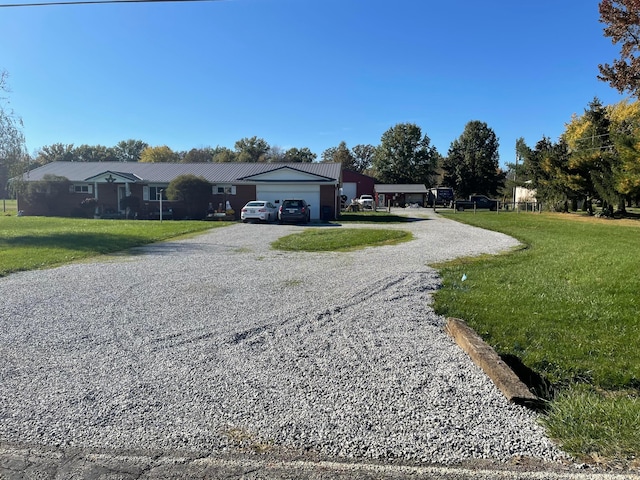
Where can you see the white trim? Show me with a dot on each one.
(77, 188)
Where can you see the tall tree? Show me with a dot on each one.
(340, 154)
(251, 150)
(547, 167)
(328, 154)
(198, 155)
(12, 144)
(622, 19)
(299, 155)
(162, 154)
(129, 150)
(472, 164)
(593, 162)
(275, 154)
(515, 175)
(57, 152)
(363, 157)
(625, 133)
(223, 155)
(94, 153)
(405, 156)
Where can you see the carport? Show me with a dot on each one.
(400, 195)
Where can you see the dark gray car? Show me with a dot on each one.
(294, 211)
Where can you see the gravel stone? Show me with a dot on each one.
(219, 343)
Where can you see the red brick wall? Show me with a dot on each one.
(328, 196)
(68, 204)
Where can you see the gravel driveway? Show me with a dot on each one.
(219, 343)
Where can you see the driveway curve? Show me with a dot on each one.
(218, 344)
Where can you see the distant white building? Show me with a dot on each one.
(525, 195)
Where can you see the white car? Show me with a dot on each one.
(366, 201)
(259, 210)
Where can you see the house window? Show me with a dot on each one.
(224, 189)
(82, 189)
(154, 193)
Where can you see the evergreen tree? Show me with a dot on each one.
(471, 166)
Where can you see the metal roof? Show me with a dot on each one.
(400, 188)
(163, 173)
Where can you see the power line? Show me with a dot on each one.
(95, 2)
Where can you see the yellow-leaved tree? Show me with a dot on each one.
(625, 131)
(162, 154)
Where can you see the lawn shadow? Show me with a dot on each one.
(377, 218)
(88, 242)
(99, 244)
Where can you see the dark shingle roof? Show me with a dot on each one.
(165, 172)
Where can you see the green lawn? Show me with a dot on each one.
(339, 239)
(28, 243)
(567, 306)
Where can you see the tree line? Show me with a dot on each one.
(251, 149)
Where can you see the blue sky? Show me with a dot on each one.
(302, 73)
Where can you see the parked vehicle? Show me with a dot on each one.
(442, 196)
(294, 211)
(366, 201)
(477, 202)
(259, 210)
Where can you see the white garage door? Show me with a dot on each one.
(350, 189)
(277, 193)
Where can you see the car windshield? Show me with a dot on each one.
(255, 204)
(293, 204)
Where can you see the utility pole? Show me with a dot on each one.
(515, 175)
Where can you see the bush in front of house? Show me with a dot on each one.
(193, 191)
(132, 203)
(44, 195)
(88, 207)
